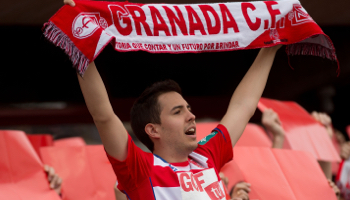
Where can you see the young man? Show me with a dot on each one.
(178, 167)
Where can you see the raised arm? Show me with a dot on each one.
(112, 132)
(247, 94)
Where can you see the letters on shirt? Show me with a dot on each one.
(204, 185)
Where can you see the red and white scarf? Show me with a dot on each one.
(84, 30)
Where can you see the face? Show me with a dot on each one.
(178, 127)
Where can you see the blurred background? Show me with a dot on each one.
(40, 93)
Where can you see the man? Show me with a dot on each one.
(178, 167)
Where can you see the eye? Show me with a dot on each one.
(189, 108)
(177, 112)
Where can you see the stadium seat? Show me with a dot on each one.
(85, 170)
(71, 141)
(40, 140)
(302, 131)
(22, 173)
(282, 174)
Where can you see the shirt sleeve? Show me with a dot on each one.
(218, 146)
(134, 169)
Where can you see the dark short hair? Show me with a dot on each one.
(146, 109)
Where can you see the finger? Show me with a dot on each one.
(243, 194)
(337, 191)
(50, 174)
(69, 2)
(46, 168)
(53, 183)
(267, 112)
(314, 115)
(278, 120)
(243, 186)
(58, 183)
(325, 119)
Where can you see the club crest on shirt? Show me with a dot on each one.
(207, 138)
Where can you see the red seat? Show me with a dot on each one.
(72, 141)
(40, 140)
(85, 170)
(302, 131)
(233, 173)
(281, 174)
(22, 173)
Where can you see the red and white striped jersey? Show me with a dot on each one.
(147, 176)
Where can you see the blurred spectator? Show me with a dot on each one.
(273, 125)
(240, 191)
(325, 120)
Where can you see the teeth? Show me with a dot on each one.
(190, 131)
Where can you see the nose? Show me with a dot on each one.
(190, 116)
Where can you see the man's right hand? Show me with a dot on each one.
(69, 2)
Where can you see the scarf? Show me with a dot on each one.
(84, 30)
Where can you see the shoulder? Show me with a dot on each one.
(220, 132)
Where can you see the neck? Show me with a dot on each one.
(171, 156)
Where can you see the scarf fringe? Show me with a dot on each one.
(313, 50)
(60, 39)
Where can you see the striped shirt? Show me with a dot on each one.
(147, 176)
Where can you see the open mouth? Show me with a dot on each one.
(191, 131)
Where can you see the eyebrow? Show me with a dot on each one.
(180, 107)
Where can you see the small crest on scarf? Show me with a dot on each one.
(298, 15)
(86, 23)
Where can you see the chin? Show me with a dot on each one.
(194, 146)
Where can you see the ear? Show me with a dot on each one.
(152, 130)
